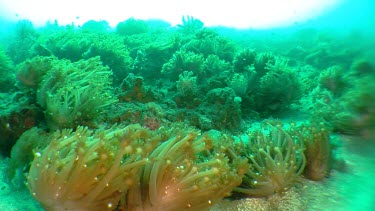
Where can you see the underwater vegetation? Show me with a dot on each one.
(146, 116)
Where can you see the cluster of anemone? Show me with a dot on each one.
(131, 168)
(134, 168)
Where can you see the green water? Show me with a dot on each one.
(316, 74)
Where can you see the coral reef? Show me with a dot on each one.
(150, 116)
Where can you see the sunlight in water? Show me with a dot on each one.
(234, 13)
